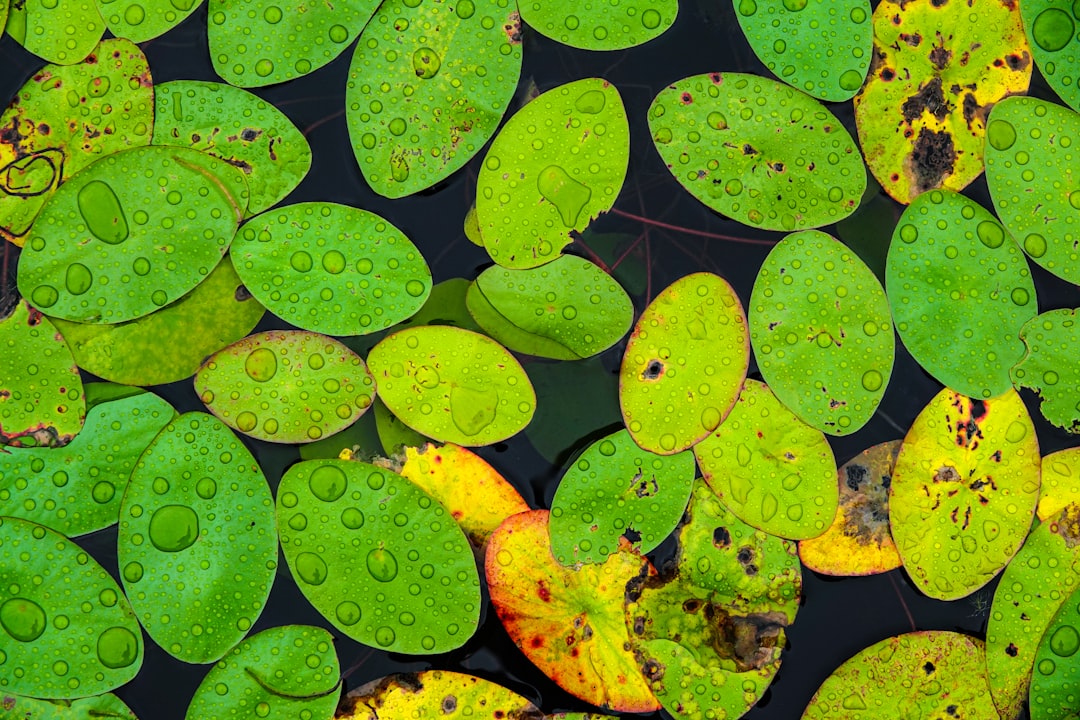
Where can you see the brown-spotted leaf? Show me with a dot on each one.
(435, 694)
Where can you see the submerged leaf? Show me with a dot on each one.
(394, 435)
(1053, 685)
(435, 693)
(608, 25)
(1049, 368)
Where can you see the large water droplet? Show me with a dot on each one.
(23, 619)
(564, 192)
(328, 483)
(1065, 641)
(117, 647)
(1052, 29)
(102, 212)
(472, 410)
(1000, 134)
(385, 636)
(311, 568)
(348, 613)
(427, 377)
(382, 565)
(78, 279)
(591, 102)
(261, 364)
(426, 63)
(174, 528)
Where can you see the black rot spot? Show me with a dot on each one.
(721, 538)
(653, 370)
(686, 98)
(1012, 650)
(929, 668)
(449, 704)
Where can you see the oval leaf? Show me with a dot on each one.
(435, 693)
(1051, 27)
(62, 32)
(612, 25)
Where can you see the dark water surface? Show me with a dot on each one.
(839, 617)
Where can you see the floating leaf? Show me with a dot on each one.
(3, 14)
(1053, 685)
(65, 118)
(938, 69)
(528, 201)
(348, 530)
(1032, 589)
(394, 435)
(1051, 32)
(591, 25)
(1051, 339)
(616, 489)
(568, 309)
(331, 268)
(286, 386)
(100, 706)
(858, 542)
(237, 127)
(359, 440)
(103, 248)
(1060, 482)
(452, 385)
(770, 468)
(281, 673)
(477, 496)
(1032, 180)
(197, 547)
(708, 637)
(838, 332)
(960, 290)
(41, 394)
(963, 491)
(68, 630)
(757, 151)
(60, 31)
(260, 43)
(945, 667)
(142, 20)
(428, 85)
(77, 489)
(435, 693)
(171, 343)
(689, 350)
(569, 623)
(822, 49)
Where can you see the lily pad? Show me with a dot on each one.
(260, 43)
(595, 25)
(1060, 482)
(1051, 33)
(59, 120)
(757, 151)
(938, 69)
(394, 435)
(770, 468)
(171, 343)
(689, 350)
(1048, 367)
(360, 440)
(237, 127)
(281, 673)
(104, 249)
(435, 693)
(41, 394)
(960, 290)
(818, 312)
(946, 667)
(1033, 181)
(557, 163)
(568, 622)
(859, 541)
(349, 533)
(77, 489)
(822, 49)
(568, 309)
(331, 268)
(59, 31)
(452, 385)
(428, 85)
(286, 386)
(963, 491)
(142, 20)
(1057, 675)
(197, 548)
(68, 631)
(100, 706)
(614, 490)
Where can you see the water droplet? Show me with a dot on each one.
(264, 67)
(851, 80)
(44, 296)
(328, 483)
(667, 441)
(133, 572)
(1000, 134)
(747, 7)
(591, 102)
(427, 377)
(1016, 431)
(607, 448)
(117, 647)
(651, 19)
(348, 613)
(990, 234)
(141, 266)
(1047, 666)
(23, 619)
(1053, 29)
(1065, 641)
(262, 709)
(472, 410)
(174, 528)
(564, 192)
(272, 14)
(300, 261)
(333, 262)
(909, 233)
(872, 380)
(1051, 378)
(415, 288)
(1020, 296)
(465, 9)
(101, 210)
(134, 14)
(206, 488)
(791, 481)
(261, 365)
(398, 126)
(426, 63)
(352, 518)
(338, 33)
(385, 636)
(311, 568)
(768, 507)
(246, 421)
(1035, 245)
(382, 565)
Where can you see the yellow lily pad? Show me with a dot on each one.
(1060, 482)
(435, 694)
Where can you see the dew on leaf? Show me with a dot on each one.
(59, 31)
(613, 25)
(1051, 31)
(434, 693)
(101, 706)
(1047, 367)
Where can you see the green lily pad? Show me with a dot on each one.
(142, 20)
(349, 533)
(68, 631)
(616, 489)
(331, 268)
(1033, 180)
(1057, 675)
(689, 350)
(3, 14)
(41, 394)
(1048, 367)
(260, 43)
(708, 636)
(452, 385)
(557, 163)
(286, 386)
(107, 247)
(920, 673)
(59, 31)
(825, 347)
(960, 290)
(568, 309)
(282, 673)
(939, 68)
(1051, 27)
(171, 343)
(757, 151)
(1060, 482)
(1034, 586)
(435, 693)
(101, 706)
(394, 435)
(770, 468)
(963, 491)
(428, 85)
(595, 25)
(197, 548)
(237, 127)
(66, 118)
(77, 489)
(822, 49)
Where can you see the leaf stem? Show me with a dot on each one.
(690, 231)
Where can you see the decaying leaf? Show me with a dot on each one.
(435, 694)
